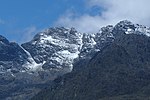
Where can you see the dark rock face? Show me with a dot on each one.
(3, 40)
(10, 51)
(12, 56)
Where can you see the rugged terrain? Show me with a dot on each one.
(113, 62)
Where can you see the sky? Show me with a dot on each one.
(20, 20)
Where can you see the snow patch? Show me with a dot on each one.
(65, 57)
(31, 65)
(129, 31)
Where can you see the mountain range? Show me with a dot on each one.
(64, 64)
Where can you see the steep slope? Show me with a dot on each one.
(119, 71)
(11, 52)
(14, 74)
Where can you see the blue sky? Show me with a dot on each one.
(20, 20)
(18, 16)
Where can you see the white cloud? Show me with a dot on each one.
(24, 35)
(28, 33)
(113, 11)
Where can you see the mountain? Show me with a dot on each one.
(49, 54)
(28, 68)
(119, 71)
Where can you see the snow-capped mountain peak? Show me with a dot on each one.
(57, 46)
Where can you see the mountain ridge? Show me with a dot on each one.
(55, 52)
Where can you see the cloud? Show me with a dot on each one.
(23, 35)
(28, 33)
(112, 11)
(2, 21)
